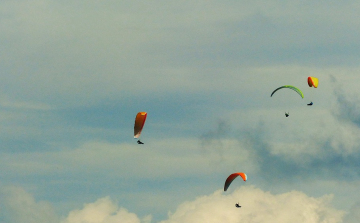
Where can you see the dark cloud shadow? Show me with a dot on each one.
(348, 106)
(327, 162)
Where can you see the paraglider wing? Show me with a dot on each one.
(139, 123)
(313, 82)
(290, 87)
(232, 177)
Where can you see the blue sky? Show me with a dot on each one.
(74, 75)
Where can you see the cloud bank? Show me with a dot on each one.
(257, 206)
(103, 210)
(17, 205)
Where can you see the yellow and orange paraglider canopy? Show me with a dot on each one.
(232, 177)
(313, 82)
(139, 123)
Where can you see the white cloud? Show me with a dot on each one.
(257, 206)
(103, 211)
(20, 206)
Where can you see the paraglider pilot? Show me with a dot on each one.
(237, 205)
(286, 114)
(139, 142)
(311, 103)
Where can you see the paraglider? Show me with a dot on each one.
(237, 205)
(139, 124)
(297, 90)
(313, 82)
(232, 177)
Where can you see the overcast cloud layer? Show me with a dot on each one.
(74, 75)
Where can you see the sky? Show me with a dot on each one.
(74, 74)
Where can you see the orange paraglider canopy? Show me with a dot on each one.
(313, 82)
(139, 123)
(232, 177)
